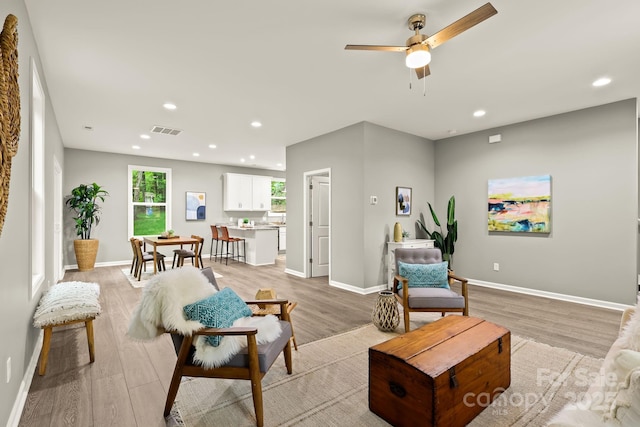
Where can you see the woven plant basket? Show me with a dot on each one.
(86, 252)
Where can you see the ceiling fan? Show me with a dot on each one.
(419, 45)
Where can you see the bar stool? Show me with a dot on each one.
(224, 237)
(214, 236)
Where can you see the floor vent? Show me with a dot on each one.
(165, 130)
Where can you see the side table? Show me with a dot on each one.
(385, 314)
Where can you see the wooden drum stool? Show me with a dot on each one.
(64, 304)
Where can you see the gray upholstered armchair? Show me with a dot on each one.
(422, 284)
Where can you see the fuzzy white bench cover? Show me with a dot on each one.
(67, 301)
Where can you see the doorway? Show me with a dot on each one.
(318, 220)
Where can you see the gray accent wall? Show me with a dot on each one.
(592, 158)
(365, 160)
(18, 336)
(111, 172)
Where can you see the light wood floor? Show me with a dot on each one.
(127, 384)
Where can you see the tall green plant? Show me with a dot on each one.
(83, 202)
(446, 243)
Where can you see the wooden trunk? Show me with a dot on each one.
(442, 374)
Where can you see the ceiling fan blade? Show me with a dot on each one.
(423, 72)
(462, 24)
(374, 47)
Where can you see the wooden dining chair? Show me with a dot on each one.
(181, 254)
(141, 258)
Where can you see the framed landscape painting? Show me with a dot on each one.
(403, 201)
(196, 206)
(520, 204)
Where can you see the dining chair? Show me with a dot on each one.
(179, 255)
(141, 258)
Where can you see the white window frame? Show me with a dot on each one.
(271, 213)
(37, 127)
(131, 204)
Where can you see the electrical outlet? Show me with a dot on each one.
(8, 369)
(496, 266)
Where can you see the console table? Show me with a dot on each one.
(391, 258)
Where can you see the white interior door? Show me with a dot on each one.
(320, 221)
(58, 269)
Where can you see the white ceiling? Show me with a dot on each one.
(112, 64)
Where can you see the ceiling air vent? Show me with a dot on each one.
(165, 130)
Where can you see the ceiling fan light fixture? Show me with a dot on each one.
(418, 56)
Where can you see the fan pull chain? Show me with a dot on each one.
(424, 82)
(410, 78)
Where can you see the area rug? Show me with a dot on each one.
(329, 386)
(146, 275)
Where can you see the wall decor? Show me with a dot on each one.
(520, 204)
(196, 206)
(403, 201)
(9, 107)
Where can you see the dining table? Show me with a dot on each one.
(168, 241)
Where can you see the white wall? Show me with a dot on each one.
(365, 160)
(17, 306)
(111, 172)
(591, 156)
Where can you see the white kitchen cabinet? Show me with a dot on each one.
(246, 192)
(261, 193)
(282, 238)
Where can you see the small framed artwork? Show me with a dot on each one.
(196, 206)
(403, 201)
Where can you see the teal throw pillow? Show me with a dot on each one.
(219, 310)
(425, 275)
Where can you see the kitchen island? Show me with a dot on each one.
(261, 243)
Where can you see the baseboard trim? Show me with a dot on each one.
(25, 385)
(551, 295)
(294, 273)
(355, 289)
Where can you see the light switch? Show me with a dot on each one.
(373, 200)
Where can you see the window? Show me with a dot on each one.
(149, 200)
(37, 181)
(278, 196)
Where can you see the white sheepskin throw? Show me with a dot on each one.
(161, 307)
(163, 299)
(67, 301)
(211, 357)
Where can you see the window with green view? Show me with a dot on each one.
(278, 196)
(149, 202)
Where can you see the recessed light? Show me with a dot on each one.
(603, 81)
(479, 113)
(242, 160)
(196, 154)
(252, 157)
(279, 164)
(135, 147)
(213, 146)
(169, 106)
(256, 124)
(452, 131)
(145, 136)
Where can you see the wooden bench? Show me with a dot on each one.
(64, 304)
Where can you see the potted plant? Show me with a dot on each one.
(84, 203)
(446, 243)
